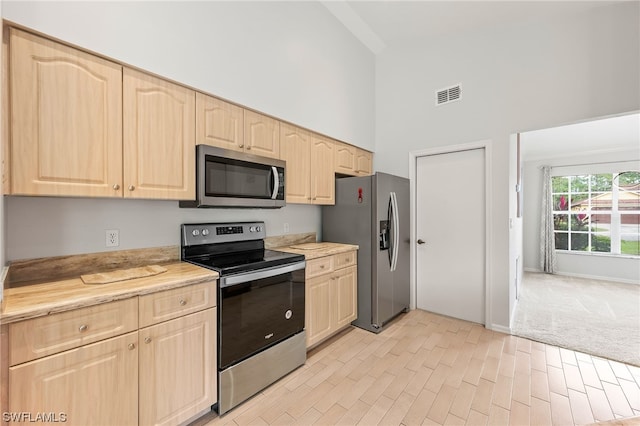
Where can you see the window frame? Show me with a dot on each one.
(615, 231)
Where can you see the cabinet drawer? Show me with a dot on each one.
(322, 265)
(166, 305)
(343, 260)
(48, 335)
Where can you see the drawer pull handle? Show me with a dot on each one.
(131, 346)
(83, 328)
(183, 302)
(147, 339)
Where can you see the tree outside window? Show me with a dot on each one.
(597, 213)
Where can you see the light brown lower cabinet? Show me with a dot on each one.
(177, 375)
(96, 384)
(331, 295)
(161, 374)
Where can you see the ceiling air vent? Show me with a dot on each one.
(448, 94)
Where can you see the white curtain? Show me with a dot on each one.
(547, 239)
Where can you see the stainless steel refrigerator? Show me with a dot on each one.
(373, 212)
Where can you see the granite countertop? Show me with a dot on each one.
(316, 250)
(36, 289)
(31, 301)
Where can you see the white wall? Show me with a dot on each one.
(597, 266)
(292, 60)
(525, 76)
(49, 226)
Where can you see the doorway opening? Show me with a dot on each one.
(592, 243)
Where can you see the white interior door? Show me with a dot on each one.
(450, 231)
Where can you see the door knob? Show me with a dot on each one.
(420, 242)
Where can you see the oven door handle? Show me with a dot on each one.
(258, 275)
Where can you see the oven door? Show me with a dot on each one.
(258, 309)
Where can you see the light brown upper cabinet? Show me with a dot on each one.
(66, 120)
(295, 149)
(323, 180)
(364, 166)
(352, 161)
(345, 158)
(219, 123)
(261, 135)
(310, 177)
(159, 138)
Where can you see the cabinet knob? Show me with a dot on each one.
(241, 145)
(321, 266)
(183, 302)
(131, 346)
(131, 187)
(83, 328)
(116, 187)
(314, 198)
(248, 147)
(147, 339)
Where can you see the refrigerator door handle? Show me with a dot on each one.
(396, 234)
(388, 232)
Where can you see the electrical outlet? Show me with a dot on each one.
(286, 228)
(112, 237)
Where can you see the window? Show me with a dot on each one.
(597, 213)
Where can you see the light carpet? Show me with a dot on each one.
(596, 317)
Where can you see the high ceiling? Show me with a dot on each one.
(379, 24)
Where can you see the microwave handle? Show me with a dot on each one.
(276, 182)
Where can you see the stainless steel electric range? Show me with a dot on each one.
(261, 335)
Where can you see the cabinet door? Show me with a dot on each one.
(66, 120)
(323, 178)
(318, 309)
(178, 369)
(295, 149)
(345, 159)
(95, 384)
(346, 299)
(261, 135)
(159, 138)
(219, 123)
(364, 165)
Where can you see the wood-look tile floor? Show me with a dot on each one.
(430, 369)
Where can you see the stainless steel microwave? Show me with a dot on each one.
(226, 178)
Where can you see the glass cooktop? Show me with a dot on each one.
(237, 262)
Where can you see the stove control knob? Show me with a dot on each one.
(205, 232)
(195, 232)
(252, 229)
(258, 228)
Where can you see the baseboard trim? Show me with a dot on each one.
(596, 277)
(587, 276)
(500, 328)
